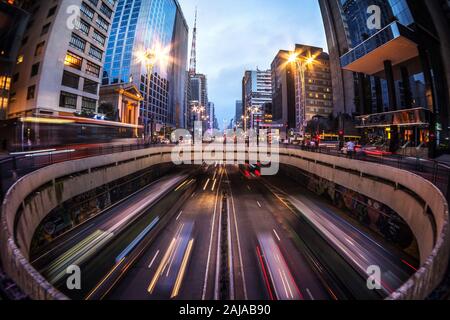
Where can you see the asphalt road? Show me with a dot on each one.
(224, 236)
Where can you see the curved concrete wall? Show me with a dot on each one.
(408, 194)
(80, 176)
(411, 196)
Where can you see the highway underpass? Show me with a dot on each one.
(221, 233)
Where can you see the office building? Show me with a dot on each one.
(146, 25)
(256, 91)
(239, 113)
(400, 68)
(58, 68)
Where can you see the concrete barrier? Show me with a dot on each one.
(416, 200)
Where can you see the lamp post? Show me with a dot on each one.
(197, 110)
(149, 57)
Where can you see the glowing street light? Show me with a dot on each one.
(302, 63)
(149, 58)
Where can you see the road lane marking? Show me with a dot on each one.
(259, 204)
(206, 184)
(193, 195)
(214, 185)
(178, 217)
(153, 260)
(205, 283)
(276, 235)
(309, 294)
(238, 240)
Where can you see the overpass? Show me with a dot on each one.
(421, 204)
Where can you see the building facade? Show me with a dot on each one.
(257, 90)
(239, 113)
(197, 98)
(13, 21)
(399, 60)
(283, 92)
(313, 85)
(140, 25)
(58, 69)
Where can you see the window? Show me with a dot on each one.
(92, 69)
(68, 100)
(106, 10)
(102, 23)
(31, 92)
(99, 37)
(90, 86)
(88, 12)
(20, 59)
(73, 61)
(70, 80)
(77, 42)
(83, 27)
(35, 69)
(94, 2)
(39, 49)
(16, 77)
(45, 29)
(51, 11)
(96, 53)
(88, 105)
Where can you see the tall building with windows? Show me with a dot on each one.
(283, 92)
(239, 114)
(401, 70)
(13, 22)
(140, 25)
(198, 97)
(58, 68)
(302, 87)
(256, 91)
(313, 87)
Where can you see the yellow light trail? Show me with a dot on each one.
(158, 273)
(179, 281)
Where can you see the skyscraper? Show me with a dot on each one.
(283, 91)
(257, 90)
(239, 114)
(140, 25)
(58, 68)
(400, 67)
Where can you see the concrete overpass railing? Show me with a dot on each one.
(416, 200)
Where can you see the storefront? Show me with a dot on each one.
(397, 130)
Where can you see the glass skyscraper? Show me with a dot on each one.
(399, 83)
(139, 25)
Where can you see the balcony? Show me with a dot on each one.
(395, 43)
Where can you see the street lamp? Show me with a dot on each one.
(302, 63)
(197, 110)
(149, 57)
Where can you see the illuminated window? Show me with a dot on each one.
(73, 61)
(5, 82)
(20, 59)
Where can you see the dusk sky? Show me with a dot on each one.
(238, 35)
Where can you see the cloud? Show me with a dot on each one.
(237, 35)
